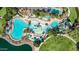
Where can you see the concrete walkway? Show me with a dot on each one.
(66, 35)
(68, 12)
(37, 48)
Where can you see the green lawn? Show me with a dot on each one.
(73, 14)
(2, 24)
(58, 43)
(2, 21)
(75, 34)
(2, 12)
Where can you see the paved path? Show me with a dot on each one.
(68, 12)
(66, 35)
(37, 48)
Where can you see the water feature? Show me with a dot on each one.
(55, 10)
(18, 27)
(5, 46)
(35, 27)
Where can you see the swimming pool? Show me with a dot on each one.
(54, 24)
(38, 29)
(18, 27)
(55, 10)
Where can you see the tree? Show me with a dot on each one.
(0, 8)
(77, 45)
(10, 12)
(54, 31)
(2, 25)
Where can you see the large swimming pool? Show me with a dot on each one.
(18, 28)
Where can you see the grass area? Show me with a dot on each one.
(2, 24)
(58, 43)
(2, 12)
(73, 14)
(74, 34)
(2, 21)
(10, 13)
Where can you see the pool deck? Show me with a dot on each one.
(25, 40)
(41, 21)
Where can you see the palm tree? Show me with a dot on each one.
(29, 22)
(77, 45)
(10, 12)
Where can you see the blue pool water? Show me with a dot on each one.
(33, 25)
(18, 28)
(53, 10)
(43, 28)
(40, 29)
(54, 24)
(46, 28)
(48, 17)
(20, 25)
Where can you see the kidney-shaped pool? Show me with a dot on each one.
(18, 27)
